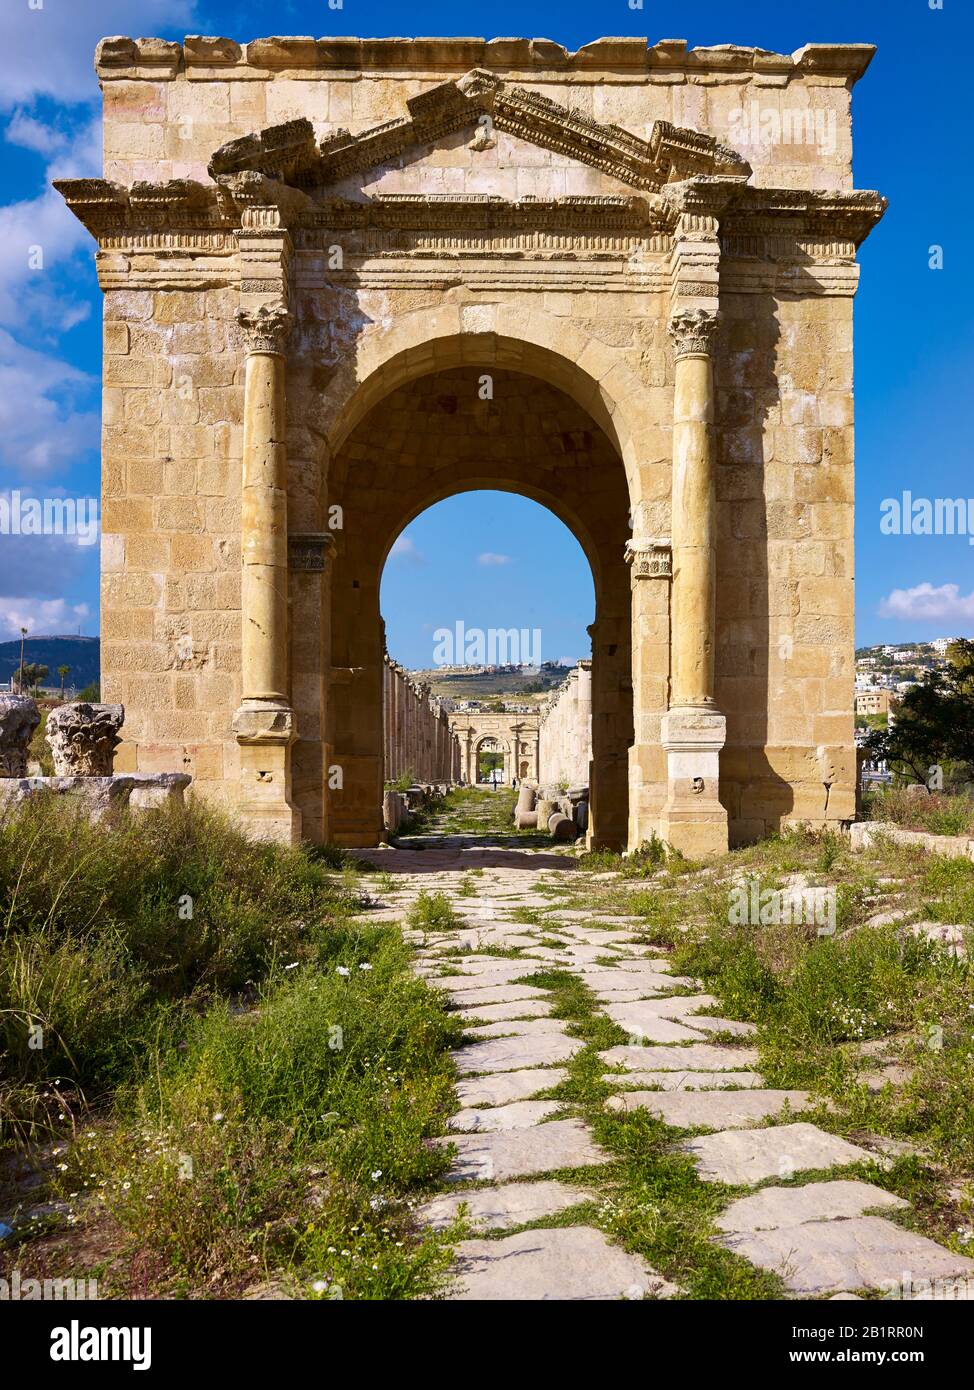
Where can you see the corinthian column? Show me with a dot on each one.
(693, 731)
(264, 724)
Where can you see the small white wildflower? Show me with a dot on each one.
(319, 1285)
(365, 966)
(218, 1117)
(376, 1174)
(293, 966)
(342, 970)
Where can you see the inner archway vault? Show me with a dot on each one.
(428, 438)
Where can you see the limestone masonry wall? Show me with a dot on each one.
(566, 731)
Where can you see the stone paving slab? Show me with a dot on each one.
(498, 1208)
(611, 977)
(710, 1109)
(774, 1207)
(495, 994)
(676, 1006)
(699, 1057)
(863, 1252)
(745, 1156)
(689, 1080)
(520, 1114)
(503, 1087)
(521, 1153)
(708, 1024)
(482, 981)
(499, 1013)
(525, 1028)
(575, 1263)
(650, 1027)
(511, 1054)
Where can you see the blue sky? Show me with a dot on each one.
(914, 355)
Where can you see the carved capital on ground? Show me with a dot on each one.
(19, 717)
(83, 738)
(266, 328)
(693, 330)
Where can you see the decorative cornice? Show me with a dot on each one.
(693, 330)
(265, 328)
(802, 212)
(288, 152)
(649, 558)
(122, 58)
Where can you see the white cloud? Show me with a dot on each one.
(41, 617)
(405, 552)
(40, 427)
(926, 603)
(488, 558)
(49, 52)
(31, 134)
(38, 238)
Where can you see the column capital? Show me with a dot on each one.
(312, 551)
(648, 558)
(265, 328)
(693, 330)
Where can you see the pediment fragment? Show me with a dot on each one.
(289, 152)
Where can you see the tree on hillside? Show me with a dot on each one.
(933, 726)
(63, 672)
(31, 675)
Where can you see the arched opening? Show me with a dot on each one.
(463, 429)
(491, 761)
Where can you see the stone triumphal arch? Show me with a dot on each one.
(345, 279)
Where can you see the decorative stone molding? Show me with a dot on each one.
(288, 152)
(263, 724)
(649, 559)
(266, 328)
(693, 330)
(83, 738)
(19, 717)
(310, 552)
(120, 59)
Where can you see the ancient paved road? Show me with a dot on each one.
(827, 1238)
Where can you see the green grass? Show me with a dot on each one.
(433, 912)
(939, 813)
(289, 1140)
(242, 1078)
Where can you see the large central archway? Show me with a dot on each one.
(428, 437)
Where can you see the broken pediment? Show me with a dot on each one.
(479, 102)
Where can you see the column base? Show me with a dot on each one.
(693, 821)
(265, 733)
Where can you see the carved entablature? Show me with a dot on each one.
(288, 151)
(649, 558)
(841, 220)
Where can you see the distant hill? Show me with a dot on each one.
(493, 684)
(82, 654)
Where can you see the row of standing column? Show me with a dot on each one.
(417, 738)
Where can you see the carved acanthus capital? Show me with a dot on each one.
(649, 558)
(266, 328)
(693, 330)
